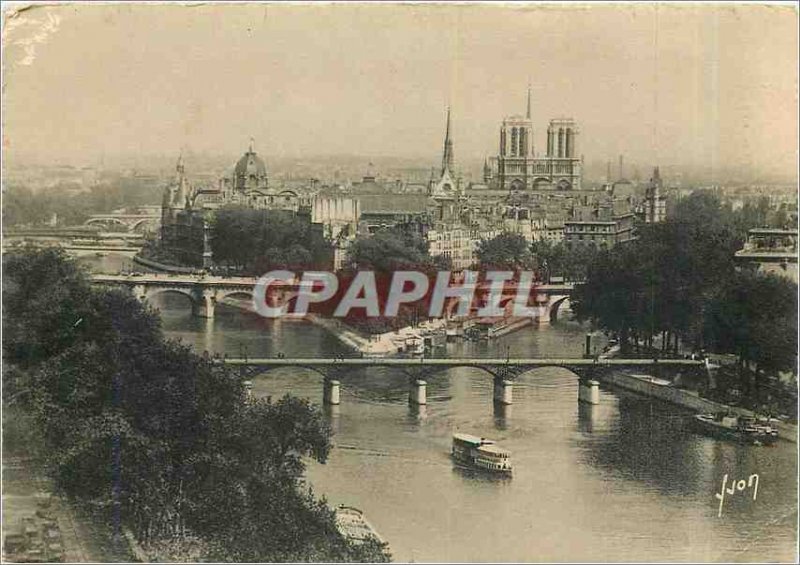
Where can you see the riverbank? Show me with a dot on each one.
(691, 400)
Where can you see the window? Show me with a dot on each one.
(513, 141)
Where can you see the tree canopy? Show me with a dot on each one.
(392, 249)
(508, 251)
(164, 439)
(256, 241)
(679, 279)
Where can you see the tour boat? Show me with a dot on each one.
(739, 428)
(481, 453)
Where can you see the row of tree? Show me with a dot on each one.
(72, 203)
(256, 241)
(164, 440)
(678, 281)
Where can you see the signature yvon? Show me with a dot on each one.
(736, 486)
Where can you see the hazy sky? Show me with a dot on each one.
(669, 84)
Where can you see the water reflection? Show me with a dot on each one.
(587, 417)
(502, 414)
(332, 413)
(417, 413)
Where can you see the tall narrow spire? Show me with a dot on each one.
(252, 143)
(179, 165)
(528, 111)
(447, 154)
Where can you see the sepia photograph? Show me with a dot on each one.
(412, 282)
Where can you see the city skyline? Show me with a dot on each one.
(700, 87)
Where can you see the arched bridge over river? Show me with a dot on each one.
(206, 291)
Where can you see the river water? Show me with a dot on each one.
(625, 480)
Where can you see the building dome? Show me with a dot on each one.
(250, 172)
(249, 165)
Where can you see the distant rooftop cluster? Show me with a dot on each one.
(539, 194)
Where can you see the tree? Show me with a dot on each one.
(45, 305)
(159, 437)
(669, 275)
(390, 249)
(257, 241)
(507, 251)
(755, 318)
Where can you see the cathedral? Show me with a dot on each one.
(518, 166)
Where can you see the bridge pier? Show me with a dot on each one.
(330, 394)
(587, 348)
(589, 391)
(204, 305)
(502, 414)
(503, 391)
(417, 393)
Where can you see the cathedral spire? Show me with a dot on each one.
(179, 165)
(528, 111)
(447, 154)
(252, 143)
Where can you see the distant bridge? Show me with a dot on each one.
(139, 223)
(503, 371)
(75, 241)
(205, 291)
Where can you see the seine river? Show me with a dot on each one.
(625, 480)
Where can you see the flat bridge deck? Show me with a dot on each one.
(423, 361)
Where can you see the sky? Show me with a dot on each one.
(687, 85)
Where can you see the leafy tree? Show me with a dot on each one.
(660, 283)
(509, 251)
(755, 318)
(390, 249)
(72, 203)
(256, 241)
(45, 305)
(160, 437)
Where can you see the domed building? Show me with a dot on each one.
(250, 172)
(188, 209)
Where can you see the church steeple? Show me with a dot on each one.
(447, 154)
(528, 111)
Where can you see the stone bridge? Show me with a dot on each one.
(205, 291)
(131, 222)
(502, 371)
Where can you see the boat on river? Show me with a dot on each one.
(353, 525)
(482, 454)
(738, 428)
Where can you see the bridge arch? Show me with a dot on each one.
(555, 304)
(149, 224)
(152, 292)
(233, 293)
(105, 221)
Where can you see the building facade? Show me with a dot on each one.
(518, 166)
(771, 251)
(655, 202)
